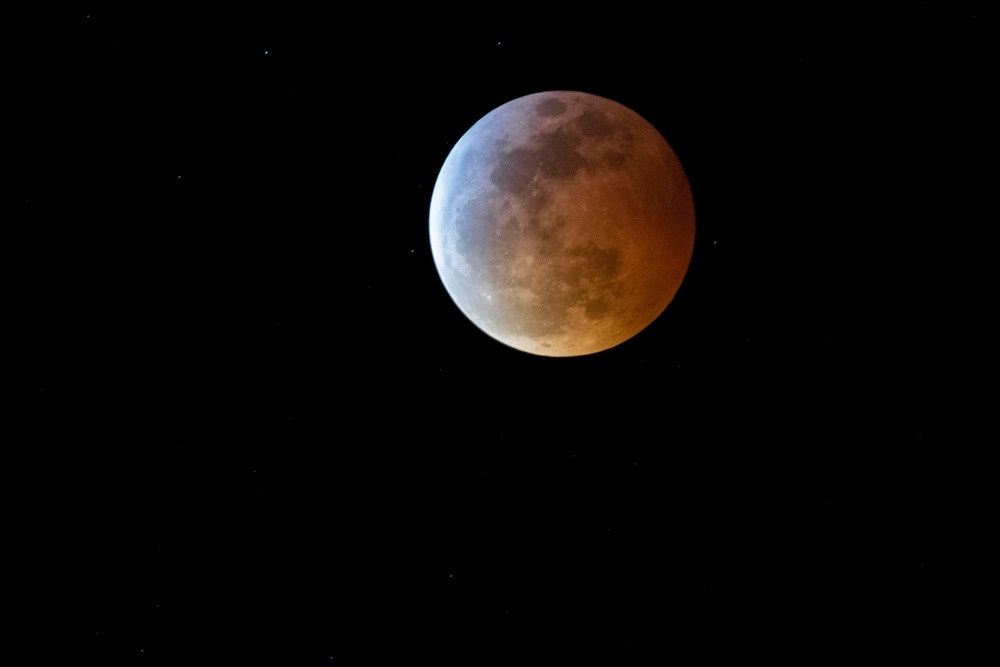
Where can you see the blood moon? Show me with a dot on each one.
(562, 223)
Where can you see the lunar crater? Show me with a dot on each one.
(551, 107)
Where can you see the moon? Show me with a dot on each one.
(562, 223)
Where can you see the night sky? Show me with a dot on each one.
(251, 427)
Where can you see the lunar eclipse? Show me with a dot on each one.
(562, 223)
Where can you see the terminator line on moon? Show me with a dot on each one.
(562, 223)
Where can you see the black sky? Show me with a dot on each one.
(251, 427)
